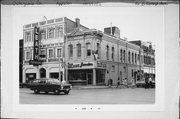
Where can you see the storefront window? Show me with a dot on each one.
(100, 76)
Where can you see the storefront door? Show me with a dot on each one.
(89, 78)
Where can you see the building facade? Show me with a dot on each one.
(51, 48)
(82, 56)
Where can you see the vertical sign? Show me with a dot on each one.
(36, 43)
(36, 60)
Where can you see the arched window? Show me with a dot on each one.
(88, 49)
(132, 58)
(78, 50)
(135, 58)
(129, 57)
(113, 53)
(124, 57)
(107, 52)
(70, 47)
(121, 55)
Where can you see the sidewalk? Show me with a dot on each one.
(98, 87)
(90, 87)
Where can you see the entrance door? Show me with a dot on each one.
(89, 78)
(42, 73)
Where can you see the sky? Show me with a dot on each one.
(135, 22)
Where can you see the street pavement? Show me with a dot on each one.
(91, 96)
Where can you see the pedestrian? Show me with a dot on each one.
(132, 83)
(126, 82)
(150, 82)
(118, 82)
(109, 82)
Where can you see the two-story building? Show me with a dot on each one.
(94, 57)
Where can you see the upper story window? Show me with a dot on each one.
(59, 52)
(58, 32)
(132, 58)
(43, 53)
(51, 53)
(107, 52)
(28, 55)
(50, 32)
(70, 47)
(28, 36)
(124, 56)
(135, 58)
(43, 34)
(78, 50)
(129, 57)
(113, 68)
(121, 55)
(88, 49)
(113, 53)
(98, 49)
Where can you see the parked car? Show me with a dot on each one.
(50, 85)
(24, 85)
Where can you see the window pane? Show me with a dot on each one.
(51, 33)
(28, 56)
(88, 47)
(78, 50)
(28, 36)
(51, 53)
(59, 32)
(58, 52)
(43, 34)
(70, 50)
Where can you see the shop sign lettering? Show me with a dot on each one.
(80, 65)
(36, 43)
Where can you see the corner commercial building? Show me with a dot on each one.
(83, 56)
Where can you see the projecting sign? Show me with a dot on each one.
(35, 63)
(36, 43)
(36, 60)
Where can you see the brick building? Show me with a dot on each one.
(82, 56)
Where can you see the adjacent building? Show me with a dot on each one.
(82, 56)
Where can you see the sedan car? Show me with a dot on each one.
(50, 85)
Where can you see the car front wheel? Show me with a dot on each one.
(36, 91)
(66, 92)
